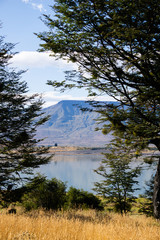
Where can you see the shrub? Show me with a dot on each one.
(49, 194)
(77, 198)
(146, 202)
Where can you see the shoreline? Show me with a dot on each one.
(73, 150)
(76, 150)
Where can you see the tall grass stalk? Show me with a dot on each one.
(80, 225)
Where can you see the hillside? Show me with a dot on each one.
(69, 126)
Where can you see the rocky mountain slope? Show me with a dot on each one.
(69, 126)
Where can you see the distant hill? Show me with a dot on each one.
(69, 126)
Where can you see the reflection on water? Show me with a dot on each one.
(77, 170)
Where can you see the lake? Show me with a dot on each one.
(77, 169)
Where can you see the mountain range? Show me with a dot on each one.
(68, 125)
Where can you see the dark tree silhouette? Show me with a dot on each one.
(19, 117)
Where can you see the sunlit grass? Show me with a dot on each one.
(77, 225)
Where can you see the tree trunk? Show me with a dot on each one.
(156, 194)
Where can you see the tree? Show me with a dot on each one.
(116, 43)
(119, 177)
(19, 117)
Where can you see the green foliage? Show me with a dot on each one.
(146, 206)
(123, 207)
(48, 194)
(118, 177)
(19, 152)
(77, 198)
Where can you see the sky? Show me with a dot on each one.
(20, 20)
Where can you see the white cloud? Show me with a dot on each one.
(52, 98)
(38, 6)
(33, 59)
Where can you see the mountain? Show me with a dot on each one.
(70, 126)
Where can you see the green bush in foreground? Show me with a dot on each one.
(49, 194)
(77, 198)
(146, 204)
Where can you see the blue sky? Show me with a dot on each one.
(20, 20)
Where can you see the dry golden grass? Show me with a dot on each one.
(80, 225)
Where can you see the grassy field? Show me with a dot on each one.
(79, 225)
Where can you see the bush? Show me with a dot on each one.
(146, 201)
(123, 205)
(49, 194)
(77, 198)
(146, 207)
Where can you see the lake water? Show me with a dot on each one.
(77, 169)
